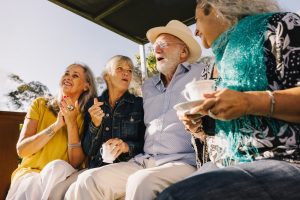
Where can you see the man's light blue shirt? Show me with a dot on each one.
(166, 139)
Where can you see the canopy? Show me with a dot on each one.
(132, 18)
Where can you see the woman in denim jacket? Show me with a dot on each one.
(115, 117)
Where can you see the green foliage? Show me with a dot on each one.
(150, 62)
(25, 93)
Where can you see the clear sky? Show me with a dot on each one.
(39, 39)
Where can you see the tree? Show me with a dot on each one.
(25, 93)
(150, 62)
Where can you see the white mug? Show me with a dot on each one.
(194, 90)
(106, 152)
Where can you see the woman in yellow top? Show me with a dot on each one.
(49, 142)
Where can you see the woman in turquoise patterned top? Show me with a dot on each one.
(255, 151)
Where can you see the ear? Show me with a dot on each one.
(184, 53)
(86, 87)
(105, 77)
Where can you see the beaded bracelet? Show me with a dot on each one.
(75, 145)
(272, 102)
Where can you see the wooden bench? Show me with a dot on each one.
(9, 134)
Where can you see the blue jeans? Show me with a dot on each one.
(259, 180)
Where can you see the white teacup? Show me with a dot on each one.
(194, 90)
(106, 152)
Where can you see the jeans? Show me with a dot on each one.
(264, 179)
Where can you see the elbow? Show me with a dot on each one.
(20, 151)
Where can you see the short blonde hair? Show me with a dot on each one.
(114, 61)
(235, 10)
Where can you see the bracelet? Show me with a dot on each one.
(50, 131)
(75, 145)
(272, 103)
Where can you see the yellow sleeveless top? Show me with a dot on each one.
(56, 148)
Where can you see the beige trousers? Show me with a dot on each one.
(33, 185)
(138, 182)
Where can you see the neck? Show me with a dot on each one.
(167, 79)
(114, 96)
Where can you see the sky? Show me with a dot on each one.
(39, 39)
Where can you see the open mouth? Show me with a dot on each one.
(124, 79)
(66, 83)
(159, 59)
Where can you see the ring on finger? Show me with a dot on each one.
(193, 122)
(70, 107)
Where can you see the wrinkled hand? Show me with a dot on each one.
(60, 122)
(192, 122)
(70, 116)
(224, 104)
(119, 146)
(96, 112)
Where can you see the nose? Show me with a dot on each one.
(157, 48)
(125, 73)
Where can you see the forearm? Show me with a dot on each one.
(33, 144)
(286, 106)
(75, 152)
(91, 140)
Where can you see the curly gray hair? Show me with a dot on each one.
(235, 10)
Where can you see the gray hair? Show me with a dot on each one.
(53, 103)
(235, 10)
(92, 91)
(116, 60)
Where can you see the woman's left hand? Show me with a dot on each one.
(224, 104)
(70, 115)
(119, 146)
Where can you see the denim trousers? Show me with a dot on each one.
(258, 180)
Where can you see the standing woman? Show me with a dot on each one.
(255, 152)
(52, 130)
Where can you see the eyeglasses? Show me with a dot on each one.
(163, 45)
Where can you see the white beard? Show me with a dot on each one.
(169, 64)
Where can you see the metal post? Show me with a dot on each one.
(143, 62)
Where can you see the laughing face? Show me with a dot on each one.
(73, 82)
(168, 52)
(209, 25)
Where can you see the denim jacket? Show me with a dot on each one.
(125, 121)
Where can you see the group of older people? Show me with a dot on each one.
(252, 151)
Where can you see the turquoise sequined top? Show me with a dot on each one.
(243, 62)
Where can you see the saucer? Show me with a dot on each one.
(187, 106)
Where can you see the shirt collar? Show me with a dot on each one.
(181, 68)
(127, 97)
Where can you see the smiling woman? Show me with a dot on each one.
(114, 119)
(51, 125)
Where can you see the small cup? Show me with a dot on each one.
(194, 90)
(106, 152)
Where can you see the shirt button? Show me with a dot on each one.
(107, 114)
(107, 128)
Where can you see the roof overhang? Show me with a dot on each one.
(132, 18)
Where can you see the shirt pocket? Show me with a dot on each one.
(130, 126)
